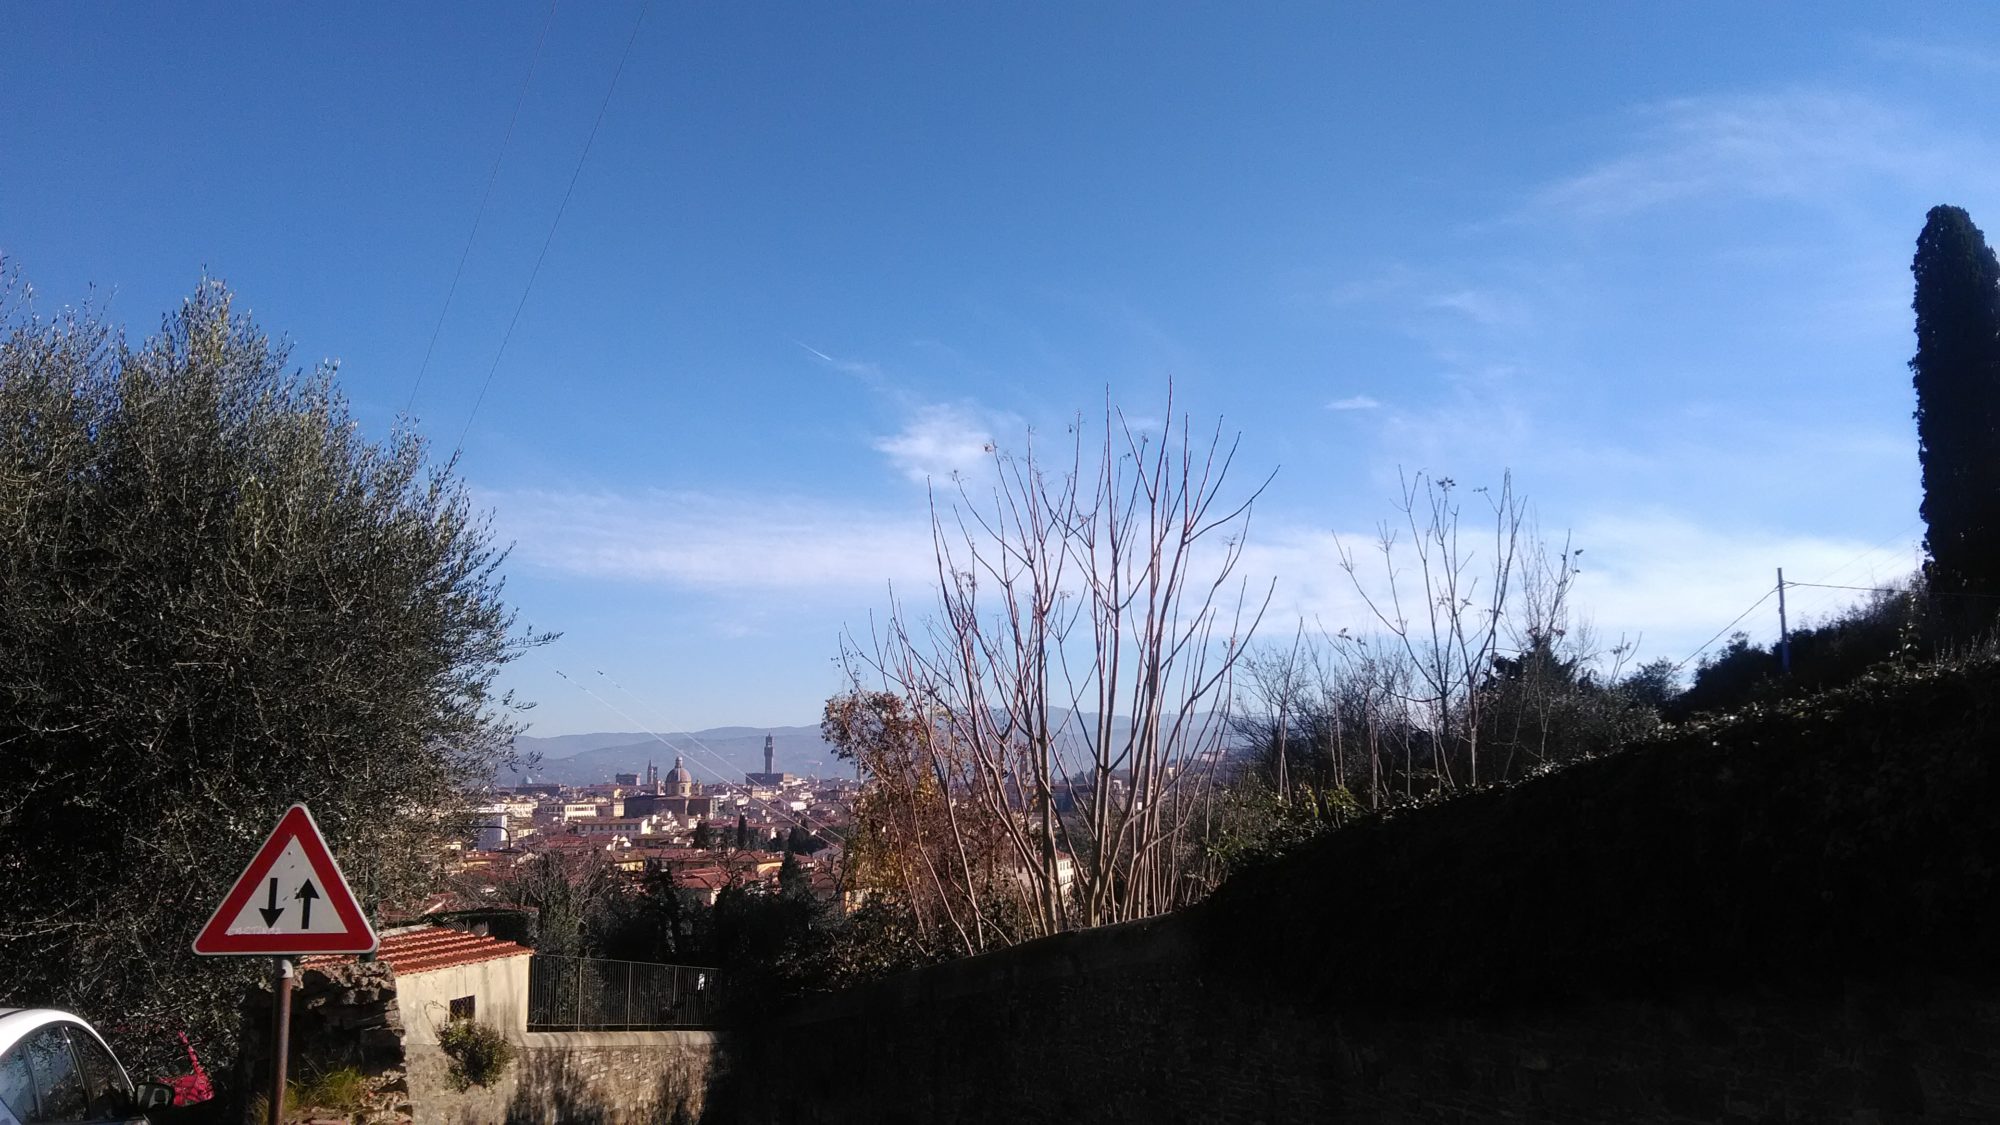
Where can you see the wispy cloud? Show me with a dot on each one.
(1794, 144)
(1354, 402)
(712, 542)
(1482, 418)
(1485, 299)
(939, 442)
(1393, 282)
(1484, 307)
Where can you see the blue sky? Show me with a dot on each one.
(1655, 262)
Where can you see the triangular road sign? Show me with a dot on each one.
(291, 899)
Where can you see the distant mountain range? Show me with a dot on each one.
(710, 755)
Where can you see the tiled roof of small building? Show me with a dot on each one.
(420, 950)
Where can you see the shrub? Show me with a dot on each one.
(479, 1054)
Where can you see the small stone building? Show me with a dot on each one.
(383, 1015)
(444, 974)
(435, 975)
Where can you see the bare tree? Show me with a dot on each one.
(1277, 679)
(1452, 631)
(1075, 680)
(1499, 676)
(1327, 717)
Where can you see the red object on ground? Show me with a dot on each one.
(194, 1087)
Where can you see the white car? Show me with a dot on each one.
(54, 1067)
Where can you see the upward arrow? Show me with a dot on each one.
(272, 911)
(306, 894)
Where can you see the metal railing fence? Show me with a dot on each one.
(594, 994)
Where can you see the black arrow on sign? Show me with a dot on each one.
(272, 912)
(306, 895)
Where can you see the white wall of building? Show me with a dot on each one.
(499, 986)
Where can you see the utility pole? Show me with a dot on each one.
(1784, 633)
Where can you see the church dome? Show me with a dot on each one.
(679, 779)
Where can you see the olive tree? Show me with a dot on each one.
(216, 598)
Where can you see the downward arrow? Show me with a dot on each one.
(273, 911)
(306, 895)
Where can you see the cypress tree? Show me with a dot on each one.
(793, 883)
(1957, 375)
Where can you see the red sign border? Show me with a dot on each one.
(215, 940)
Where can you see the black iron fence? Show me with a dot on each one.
(592, 994)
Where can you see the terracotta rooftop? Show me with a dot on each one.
(432, 947)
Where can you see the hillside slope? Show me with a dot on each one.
(1850, 832)
(1783, 917)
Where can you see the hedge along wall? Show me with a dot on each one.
(1781, 917)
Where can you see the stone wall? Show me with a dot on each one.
(1126, 1024)
(585, 1077)
(573, 1078)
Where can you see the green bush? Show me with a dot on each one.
(479, 1054)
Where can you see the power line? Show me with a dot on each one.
(1820, 603)
(1864, 589)
(1818, 586)
(556, 222)
(1894, 540)
(491, 176)
(1898, 590)
(1727, 628)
